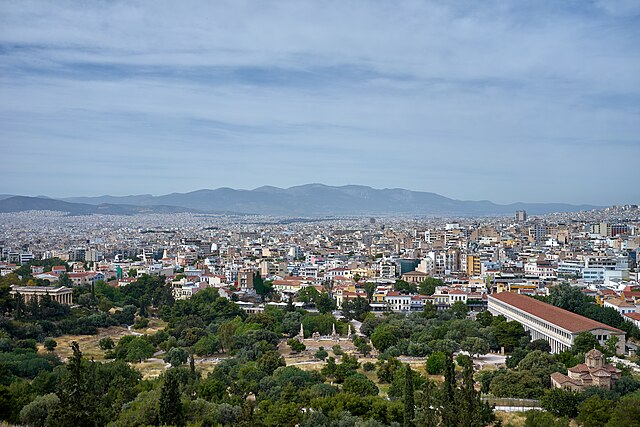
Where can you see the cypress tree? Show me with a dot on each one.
(192, 366)
(427, 413)
(78, 400)
(409, 405)
(19, 306)
(171, 411)
(448, 404)
(467, 395)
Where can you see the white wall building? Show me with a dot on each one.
(545, 321)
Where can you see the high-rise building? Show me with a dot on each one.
(521, 216)
(245, 279)
(474, 267)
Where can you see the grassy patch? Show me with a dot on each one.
(515, 419)
(154, 326)
(88, 343)
(151, 368)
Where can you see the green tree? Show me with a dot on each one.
(544, 419)
(409, 405)
(584, 342)
(78, 400)
(405, 287)
(516, 384)
(594, 412)
(429, 311)
(611, 345)
(427, 411)
(207, 346)
(364, 348)
(446, 346)
(370, 289)
(626, 385)
(190, 336)
(485, 318)
(37, 412)
(539, 344)
(270, 361)
(384, 336)
(459, 309)
(262, 287)
(626, 413)
(542, 365)
(170, 406)
(106, 343)
(436, 363)
(560, 402)
(448, 409)
(508, 334)
(296, 346)
(387, 369)
(308, 294)
(226, 331)
(177, 356)
(428, 286)
(472, 411)
(50, 344)
(65, 280)
(324, 303)
(359, 385)
(321, 354)
(138, 349)
(330, 368)
(355, 309)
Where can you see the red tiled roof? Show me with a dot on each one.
(562, 318)
(561, 378)
(634, 316)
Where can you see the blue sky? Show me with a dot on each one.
(508, 101)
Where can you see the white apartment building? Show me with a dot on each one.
(398, 302)
(570, 267)
(620, 305)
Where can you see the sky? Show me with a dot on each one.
(533, 101)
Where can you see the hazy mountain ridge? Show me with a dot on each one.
(320, 199)
(24, 203)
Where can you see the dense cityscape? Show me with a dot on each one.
(299, 213)
(257, 320)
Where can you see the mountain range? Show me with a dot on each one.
(23, 203)
(303, 200)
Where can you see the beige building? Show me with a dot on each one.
(63, 295)
(414, 277)
(592, 373)
(245, 279)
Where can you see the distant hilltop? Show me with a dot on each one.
(304, 200)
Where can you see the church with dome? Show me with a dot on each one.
(594, 372)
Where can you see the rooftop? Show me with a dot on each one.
(634, 316)
(567, 320)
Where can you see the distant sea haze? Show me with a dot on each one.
(303, 200)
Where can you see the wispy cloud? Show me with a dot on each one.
(416, 94)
